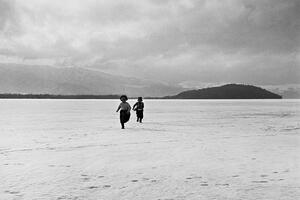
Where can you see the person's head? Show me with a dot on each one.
(140, 99)
(123, 98)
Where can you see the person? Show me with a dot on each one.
(124, 108)
(139, 108)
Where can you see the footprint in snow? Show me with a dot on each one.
(194, 177)
(263, 175)
(11, 192)
(222, 184)
(259, 181)
(106, 186)
(93, 187)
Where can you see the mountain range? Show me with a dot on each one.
(32, 79)
(26, 79)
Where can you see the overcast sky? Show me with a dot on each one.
(189, 42)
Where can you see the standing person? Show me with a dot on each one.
(124, 108)
(139, 108)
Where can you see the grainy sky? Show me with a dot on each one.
(190, 42)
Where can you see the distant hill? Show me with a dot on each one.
(27, 79)
(52, 96)
(230, 91)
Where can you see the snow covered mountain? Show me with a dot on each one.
(16, 78)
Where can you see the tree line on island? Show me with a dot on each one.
(229, 91)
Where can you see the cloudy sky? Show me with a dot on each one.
(187, 42)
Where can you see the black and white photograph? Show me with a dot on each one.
(149, 99)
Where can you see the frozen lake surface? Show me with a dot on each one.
(185, 149)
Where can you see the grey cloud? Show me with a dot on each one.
(6, 11)
(250, 27)
(208, 41)
(9, 19)
(116, 13)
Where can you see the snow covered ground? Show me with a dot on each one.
(185, 149)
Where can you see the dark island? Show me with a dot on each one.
(230, 91)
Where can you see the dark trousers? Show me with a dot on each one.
(124, 117)
(139, 115)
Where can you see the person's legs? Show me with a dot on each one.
(122, 119)
(141, 115)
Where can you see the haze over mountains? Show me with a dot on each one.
(27, 79)
(73, 81)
